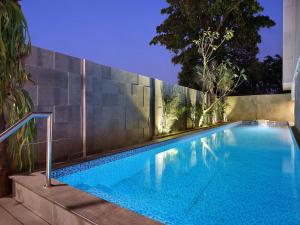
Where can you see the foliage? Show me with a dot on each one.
(219, 111)
(265, 77)
(217, 80)
(171, 107)
(15, 102)
(193, 112)
(187, 19)
(271, 80)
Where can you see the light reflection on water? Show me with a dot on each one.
(160, 161)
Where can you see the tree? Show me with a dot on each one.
(187, 19)
(270, 81)
(217, 80)
(265, 77)
(15, 102)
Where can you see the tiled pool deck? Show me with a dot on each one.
(14, 213)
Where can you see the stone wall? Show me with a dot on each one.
(96, 108)
(118, 108)
(260, 107)
(56, 88)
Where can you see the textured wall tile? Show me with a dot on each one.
(132, 135)
(109, 87)
(97, 70)
(46, 96)
(96, 113)
(143, 122)
(61, 114)
(114, 112)
(74, 113)
(137, 89)
(60, 149)
(143, 80)
(123, 76)
(125, 89)
(60, 96)
(116, 124)
(32, 91)
(60, 131)
(52, 78)
(74, 131)
(110, 99)
(74, 90)
(266, 107)
(66, 63)
(147, 134)
(41, 57)
(146, 96)
(41, 134)
(137, 100)
(132, 116)
(45, 108)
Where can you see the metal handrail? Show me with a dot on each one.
(13, 129)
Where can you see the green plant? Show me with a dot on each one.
(217, 80)
(170, 106)
(15, 102)
(193, 112)
(219, 111)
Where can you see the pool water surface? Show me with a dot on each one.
(239, 174)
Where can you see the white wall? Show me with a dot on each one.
(291, 52)
(291, 40)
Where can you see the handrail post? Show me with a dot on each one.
(14, 128)
(49, 151)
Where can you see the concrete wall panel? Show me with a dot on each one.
(260, 107)
(116, 100)
(56, 88)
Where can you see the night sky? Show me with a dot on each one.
(117, 32)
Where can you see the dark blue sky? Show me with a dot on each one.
(118, 32)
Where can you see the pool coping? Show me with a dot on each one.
(62, 201)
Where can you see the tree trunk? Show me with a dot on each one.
(205, 117)
(4, 167)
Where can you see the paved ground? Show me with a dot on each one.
(14, 213)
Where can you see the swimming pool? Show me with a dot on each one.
(235, 174)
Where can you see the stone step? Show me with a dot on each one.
(14, 213)
(65, 205)
(7, 219)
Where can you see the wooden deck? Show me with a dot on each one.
(14, 213)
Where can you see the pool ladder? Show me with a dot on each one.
(37, 115)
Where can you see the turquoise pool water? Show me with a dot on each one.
(243, 174)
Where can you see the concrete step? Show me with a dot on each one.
(14, 213)
(65, 205)
(7, 219)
